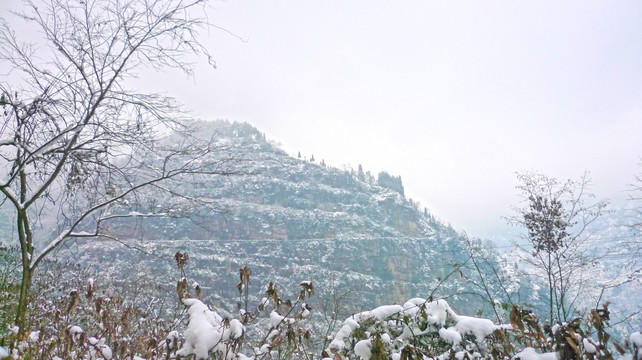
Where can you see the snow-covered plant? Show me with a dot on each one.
(424, 329)
(9, 285)
(76, 314)
(279, 324)
(419, 329)
(208, 332)
(75, 139)
(80, 318)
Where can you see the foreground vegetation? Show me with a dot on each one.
(75, 314)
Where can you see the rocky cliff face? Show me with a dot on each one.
(289, 198)
(291, 220)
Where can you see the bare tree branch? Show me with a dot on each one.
(75, 140)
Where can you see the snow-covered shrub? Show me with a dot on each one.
(420, 328)
(9, 285)
(78, 314)
(80, 318)
(207, 331)
(424, 329)
(279, 325)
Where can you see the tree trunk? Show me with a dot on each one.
(550, 288)
(23, 303)
(25, 236)
(562, 291)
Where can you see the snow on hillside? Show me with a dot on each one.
(293, 219)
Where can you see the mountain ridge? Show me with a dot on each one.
(296, 219)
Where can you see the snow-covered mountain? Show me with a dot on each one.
(288, 198)
(294, 219)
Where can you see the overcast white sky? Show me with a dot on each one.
(453, 96)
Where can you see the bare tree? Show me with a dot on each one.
(492, 283)
(74, 140)
(635, 219)
(556, 216)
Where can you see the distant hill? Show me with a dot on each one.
(290, 198)
(295, 219)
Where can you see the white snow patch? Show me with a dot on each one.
(437, 311)
(636, 340)
(236, 329)
(385, 338)
(588, 346)
(304, 310)
(338, 343)
(3, 353)
(75, 332)
(362, 349)
(450, 335)
(34, 336)
(106, 352)
(480, 328)
(99, 346)
(13, 330)
(276, 319)
(530, 354)
(385, 311)
(205, 331)
(173, 335)
(264, 302)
